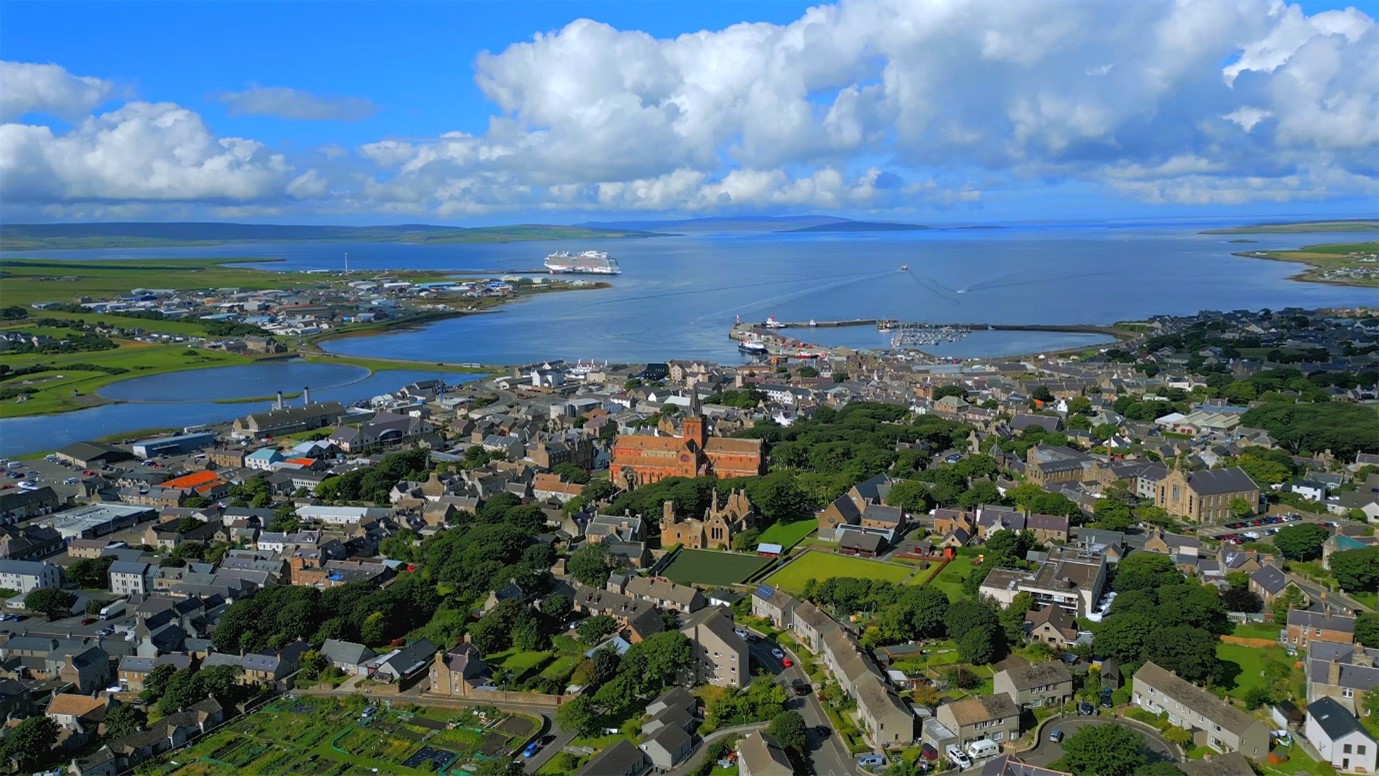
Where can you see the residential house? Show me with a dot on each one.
(620, 759)
(1213, 722)
(626, 528)
(1342, 672)
(1339, 738)
(721, 657)
(129, 577)
(1305, 626)
(1035, 685)
(657, 590)
(458, 672)
(401, 665)
(1068, 578)
(1269, 582)
(667, 747)
(1183, 549)
(1051, 625)
(985, 718)
(758, 754)
(885, 720)
(28, 575)
(349, 657)
(76, 713)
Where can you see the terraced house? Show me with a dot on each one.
(1213, 722)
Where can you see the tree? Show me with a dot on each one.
(156, 683)
(978, 646)
(779, 498)
(31, 742)
(1184, 650)
(1240, 508)
(1356, 570)
(123, 720)
(788, 729)
(590, 564)
(312, 664)
(50, 601)
(1105, 750)
(1122, 636)
(1302, 541)
(1113, 514)
(918, 613)
(1367, 633)
(592, 629)
(911, 496)
(556, 607)
(571, 473)
(965, 616)
(1291, 598)
(1146, 571)
(91, 572)
(1242, 599)
(1258, 696)
(500, 767)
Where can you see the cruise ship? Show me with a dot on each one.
(588, 262)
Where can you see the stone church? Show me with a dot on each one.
(715, 531)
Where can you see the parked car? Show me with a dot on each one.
(741, 632)
(787, 662)
(531, 749)
(958, 757)
(1106, 700)
(823, 731)
(1085, 708)
(802, 688)
(1056, 736)
(871, 761)
(777, 653)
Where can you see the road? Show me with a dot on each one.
(828, 755)
(1045, 751)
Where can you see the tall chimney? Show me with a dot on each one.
(306, 396)
(280, 401)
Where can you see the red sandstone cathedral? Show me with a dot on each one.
(640, 459)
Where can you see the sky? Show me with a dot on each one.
(932, 111)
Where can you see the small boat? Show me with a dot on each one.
(753, 348)
(904, 267)
(772, 323)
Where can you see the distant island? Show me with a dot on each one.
(780, 224)
(18, 237)
(860, 226)
(1345, 264)
(1301, 227)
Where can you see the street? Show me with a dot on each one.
(827, 754)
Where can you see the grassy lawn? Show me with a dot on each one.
(1298, 763)
(712, 567)
(823, 565)
(1256, 630)
(1250, 663)
(518, 661)
(789, 534)
(950, 579)
(561, 668)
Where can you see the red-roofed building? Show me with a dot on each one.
(203, 483)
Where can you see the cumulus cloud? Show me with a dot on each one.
(286, 103)
(142, 151)
(50, 90)
(859, 105)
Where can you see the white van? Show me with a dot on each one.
(979, 749)
(956, 756)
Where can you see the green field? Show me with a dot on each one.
(823, 565)
(1301, 227)
(1326, 257)
(711, 567)
(950, 579)
(789, 534)
(329, 736)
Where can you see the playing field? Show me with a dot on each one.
(708, 567)
(823, 565)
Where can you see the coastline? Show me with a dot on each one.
(1316, 262)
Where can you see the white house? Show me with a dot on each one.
(1339, 739)
(131, 577)
(340, 515)
(28, 575)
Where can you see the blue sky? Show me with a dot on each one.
(386, 112)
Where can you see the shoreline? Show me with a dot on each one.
(1312, 267)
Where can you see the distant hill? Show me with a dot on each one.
(15, 237)
(860, 226)
(723, 224)
(1301, 227)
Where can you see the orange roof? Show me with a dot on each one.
(191, 480)
(74, 705)
(302, 461)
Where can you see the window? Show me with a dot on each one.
(1346, 749)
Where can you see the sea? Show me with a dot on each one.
(678, 296)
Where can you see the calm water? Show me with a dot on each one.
(236, 382)
(49, 432)
(678, 296)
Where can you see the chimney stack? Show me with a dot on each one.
(280, 400)
(306, 396)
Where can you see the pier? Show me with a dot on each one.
(908, 334)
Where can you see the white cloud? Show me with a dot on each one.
(143, 151)
(48, 89)
(285, 103)
(861, 105)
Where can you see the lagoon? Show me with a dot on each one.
(20, 436)
(235, 382)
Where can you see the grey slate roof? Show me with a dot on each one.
(1217, 481)
(1333, 719)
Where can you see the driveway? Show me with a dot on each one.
(1045, 751)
